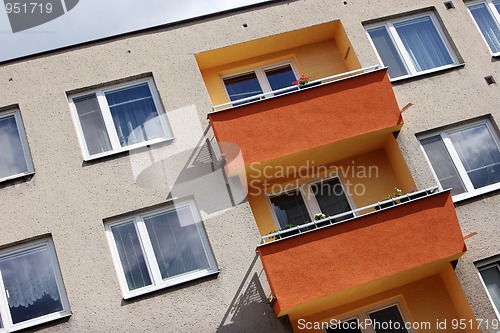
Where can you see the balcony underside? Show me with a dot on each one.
(363, 256)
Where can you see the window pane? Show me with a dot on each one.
(12, 158)
(497, 6)
(479, 154)
(349, 326)
(443, 165)
(491, 278)
(94, 130)
(487, 24)
(387, 52)
(331, 198)
(177, 242)
(242, 86)
(30, 284)
(290, 209)
(134, 114)
(388, 320)
(423, 43)
(131, 255)
(280, 77)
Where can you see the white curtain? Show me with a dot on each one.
(423, 43)
(487, 24)
(28, 276)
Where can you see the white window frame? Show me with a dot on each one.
(470, 191)
(401, 50)
(108, 119)
(494, 13)
(157, 282)
(495, 261)
(4, 307)
(309, 198)
(24, 143)
(363, 315)
(260, 73)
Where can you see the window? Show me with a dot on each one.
(411, 46)
(300, 205)
(119, 118)
(465, 158)
(260, 80)
(486, 14)
(32, 285)
(15, 158)
(386, 319)
(160, 248)
(490, 275)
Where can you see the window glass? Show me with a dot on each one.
(31, 286)
(131, 255)
(443, 165)
(388, 320)
(479, 154)
(331, 198)
(290, 209)
(176, 242)
(491, 278)
(487, 24)
(242, 86)
(388, 52)
(280, 77)
(131, 108)
(423, 43)
(12, 158)
(93, 127)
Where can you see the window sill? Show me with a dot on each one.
(170, 283)
(427, 73)
(463, 197)
(37, 322)
(17, 176)
(92, 158)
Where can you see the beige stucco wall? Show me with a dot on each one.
(69, 198)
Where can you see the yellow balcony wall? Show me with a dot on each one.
(318, 51)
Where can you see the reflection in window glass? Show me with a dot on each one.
(388, 52)
(290, 209)
(443, 165)
(479, 154)
(30, 284)
(242, 86)
(487, 24)
(12, 157)
(280, 77)
(331, 198)
(491, 278)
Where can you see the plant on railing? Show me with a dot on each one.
(319, 216)
(397, 193)
(302, 81)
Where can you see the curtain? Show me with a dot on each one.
(177, 242)
(487, 24)
(388, 52)
(131, 108)
(93, 127)
(12, 160)
(290, 209)
(131, 255)
(443, 164)
(423, 43)
(30, 284)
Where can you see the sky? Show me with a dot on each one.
(94, 19)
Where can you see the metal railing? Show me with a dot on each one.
(355, 213)
(293, 89)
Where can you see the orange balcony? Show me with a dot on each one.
(346, 117)
(354, 259)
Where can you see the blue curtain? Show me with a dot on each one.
(487, 24)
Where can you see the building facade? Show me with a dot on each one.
(300, 166)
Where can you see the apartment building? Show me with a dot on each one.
(298, 166)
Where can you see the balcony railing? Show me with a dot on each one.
(356, 213)
(293, 89)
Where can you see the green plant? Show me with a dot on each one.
(397, 193)
(319, 216)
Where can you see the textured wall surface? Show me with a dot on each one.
(69, 198)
